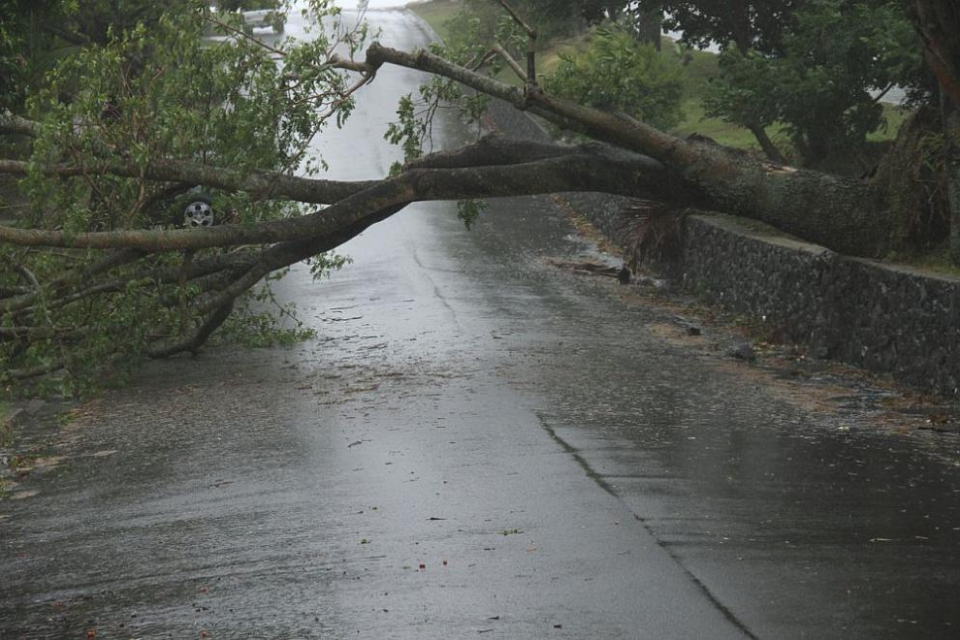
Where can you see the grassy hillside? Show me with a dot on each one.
(436, 13)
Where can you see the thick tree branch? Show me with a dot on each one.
(24, 272)
(60, 294)
(15, 125)
(66, 35)
(734, 183)
(513, 64)
(609, 171)
(607, 127)
(530, 77)
(931, 18)
(35, 371)
(112, 260)
(262, 184)
(197, 339)
(498, 150)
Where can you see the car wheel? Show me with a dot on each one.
(198, 212)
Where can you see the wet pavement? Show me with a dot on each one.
(481, 444)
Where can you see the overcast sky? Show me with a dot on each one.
(373, 4)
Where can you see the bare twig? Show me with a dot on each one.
(513, 64)
(197, 339)
(531, 76)
(530, 31)
(24, 272)
(36, 371)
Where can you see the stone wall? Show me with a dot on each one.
(884, 318)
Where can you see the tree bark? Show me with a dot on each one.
(650, 27)
(740, 25)
(769, 149)
(952, 168)
(586, 168)
(938, 24)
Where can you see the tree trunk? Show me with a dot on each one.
(650, 27)
(769, 149)
(740, 25)
(578, 24)
(938, 24)
(952, 168)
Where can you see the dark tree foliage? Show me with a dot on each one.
(749, 24)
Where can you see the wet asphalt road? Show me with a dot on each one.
(479, 444)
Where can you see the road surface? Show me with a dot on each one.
(479, 444)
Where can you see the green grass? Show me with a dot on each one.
(436, 13)
(936, 261)
(695, 121)
(698, 67)
(894, 116)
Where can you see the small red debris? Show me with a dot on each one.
(423, 565)
(204, 634)
(203, 589)
(444, 563)
(91, 634)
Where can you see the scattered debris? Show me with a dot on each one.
(744, 351)
(587, 267)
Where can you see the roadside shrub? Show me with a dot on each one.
(617, 73)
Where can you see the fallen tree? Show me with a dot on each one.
(98, 254)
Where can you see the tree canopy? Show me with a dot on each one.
(117, 134)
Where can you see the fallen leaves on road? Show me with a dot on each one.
(585, 267)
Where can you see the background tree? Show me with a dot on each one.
(819, 67)
(826, 81)
(749, 25)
